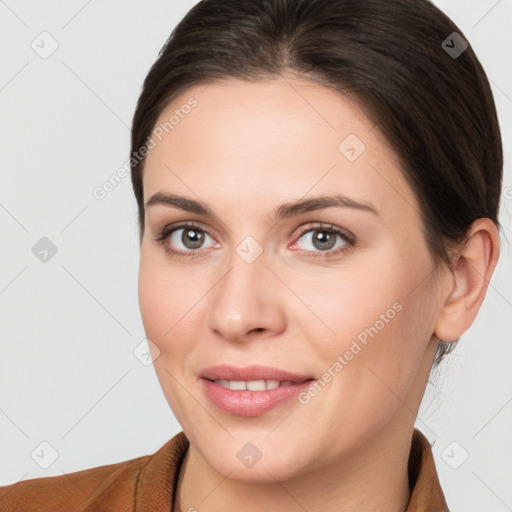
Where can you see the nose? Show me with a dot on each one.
(248, 301)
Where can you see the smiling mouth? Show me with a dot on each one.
(245, 398)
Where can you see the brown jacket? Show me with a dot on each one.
(147, 484)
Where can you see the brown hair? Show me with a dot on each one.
(397, 57)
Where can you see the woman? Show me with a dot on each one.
(318, 184)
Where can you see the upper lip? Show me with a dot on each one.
(254, 372)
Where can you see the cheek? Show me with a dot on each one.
(154, 300)
(374, 317)
(171, 304)
(161, 297)
(164, 305)
(346, 306)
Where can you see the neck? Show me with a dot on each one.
(373, 478)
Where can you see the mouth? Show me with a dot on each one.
(251, 391)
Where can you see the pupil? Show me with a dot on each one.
(192, 238)
(325, 239)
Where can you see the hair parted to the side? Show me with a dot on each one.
(436, 112)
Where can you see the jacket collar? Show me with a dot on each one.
(426, 492)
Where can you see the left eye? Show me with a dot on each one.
(321, 239)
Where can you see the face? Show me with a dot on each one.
(342, 295)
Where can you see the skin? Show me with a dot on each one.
(245, 149)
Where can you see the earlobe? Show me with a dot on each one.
(471, 271)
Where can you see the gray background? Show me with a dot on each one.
(68, 373)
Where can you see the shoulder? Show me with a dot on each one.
(69, 491)
(109, 487)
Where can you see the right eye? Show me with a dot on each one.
(190, 236)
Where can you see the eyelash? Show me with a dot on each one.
(349, 239)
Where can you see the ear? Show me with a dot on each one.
(471, 271)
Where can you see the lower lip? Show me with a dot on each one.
(251, 403)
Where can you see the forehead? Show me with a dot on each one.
(271, 140)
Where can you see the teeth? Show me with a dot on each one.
(256, 385)
(237, 385)
(252, 385)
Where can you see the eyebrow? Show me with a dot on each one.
(283, 211)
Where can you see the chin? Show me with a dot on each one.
(258, 461)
